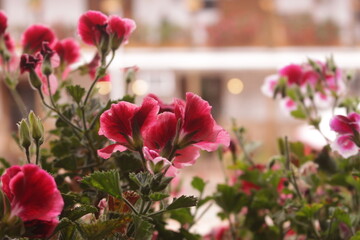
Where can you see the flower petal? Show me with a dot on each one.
(107, 151)
(344, 145)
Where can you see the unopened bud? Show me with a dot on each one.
(37, 129)
(46, 67)
(24, 134)
(34, 79)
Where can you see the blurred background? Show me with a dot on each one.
(219, 49)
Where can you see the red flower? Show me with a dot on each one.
(68, 50)
(125, 123)
(34, 36)
(34, 198)
(3, 22)
(198, 127)
(247, 187)
(121, 28)
(28, 62)
(293, 73)
(9, 43)
(92, 27)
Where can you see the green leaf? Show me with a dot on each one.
(298, 113)
(158, 196)
(98, 230)
(229, 198)
(76, 92)
(182, 202)
(182, 215)
(198, 184)
(204, 200)
(309, 210)
(108, 182)
(143, 229)
(356, 236)
(78, 212)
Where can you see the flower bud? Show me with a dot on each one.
(46, 67)
(37, 129)
(34, 79)
(24, 134)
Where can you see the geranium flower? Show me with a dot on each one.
(3, 22)
(29, 62)
(198, 127)
(348, 127)
(68, 50)
(34, 36)
(293, 73)
(120, 29)
(125, 123)
(92, 27)
(34, 198)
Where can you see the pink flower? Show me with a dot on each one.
(34, 36)
(52, 80)
(34, 198)
(347, 127)
(9, 43)
(218, 233)
(269, 85)
(68, 50)
(92, 27)
(28, 62)
(345, 145)
(293, 73)
(198, 127)
(125, 123)
(308, 168)
(154, 158)
(3, 22)
(121, 29)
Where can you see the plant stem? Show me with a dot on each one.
(37, 153)
(27, 152)
(130, 206)
(97, 79)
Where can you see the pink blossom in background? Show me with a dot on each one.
(68, 50)
(293, 74)
(345, 146)
(34, 198)
(121, 28)
(269, 85)
(347, 128)
(34, 36)
(92, 26)
(3, 22)
(52, 80)
(308, 168)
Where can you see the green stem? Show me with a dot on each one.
(232, 228)
(27, 152)
(60, 115)
(97, 79)
(37, 153)
(130, 206)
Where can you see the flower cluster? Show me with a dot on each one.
(176, 135)
(305, 87)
